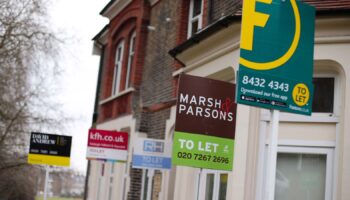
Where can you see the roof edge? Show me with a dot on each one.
(106, 7)
(213, 28)
(101, 32)
(224, 22)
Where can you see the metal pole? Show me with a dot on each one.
(87, 180)
(46, 181)
(272, 156)
(149, 184)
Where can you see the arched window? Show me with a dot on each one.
(117, 68)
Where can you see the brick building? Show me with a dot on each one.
(137, 89)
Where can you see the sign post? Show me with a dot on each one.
(150, 175)
(205, 123)
(272, 152)
(47, 171)
(276, 64)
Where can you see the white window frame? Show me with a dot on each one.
(336, 100)
(315, 117)
(203, 181)
(191, 19)
(130, 59)
(118, 64)
(329, 152)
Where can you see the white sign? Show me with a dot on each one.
(152, 154)
(107, 145)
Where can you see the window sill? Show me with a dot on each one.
(122, 93)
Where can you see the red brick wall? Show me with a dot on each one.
(182, 21)
(133, 18)
(205, 13)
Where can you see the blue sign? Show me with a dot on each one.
(139, 161)
(151, 154)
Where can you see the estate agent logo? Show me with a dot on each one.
(205, 123)
(250, 19)
(276, 55)
(49, 149)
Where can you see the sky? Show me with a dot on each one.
(78, 21)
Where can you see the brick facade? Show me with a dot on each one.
(221, 8)
(134, 18)
(135, 184)
(157, 85)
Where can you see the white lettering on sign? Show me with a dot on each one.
(42, 139)
(201, 106)
(201, 146)
(207, 147)
(108, 138)
(188, 143)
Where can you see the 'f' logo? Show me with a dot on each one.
(250, 19)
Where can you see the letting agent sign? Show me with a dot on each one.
(205, 123)
(152, 154)
(107, 145)
(49, 149)
(276, 63)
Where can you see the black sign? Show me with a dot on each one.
(48, 144)
(206, 106)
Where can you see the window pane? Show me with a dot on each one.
(194, 27)
(300, 176)
(128, 73)
(130, 61)
(209, 187)
(323, 95)
(197, 7)
(116, 80)
(133, 44)
(117, 68)
(119, 53)
(223, 186)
